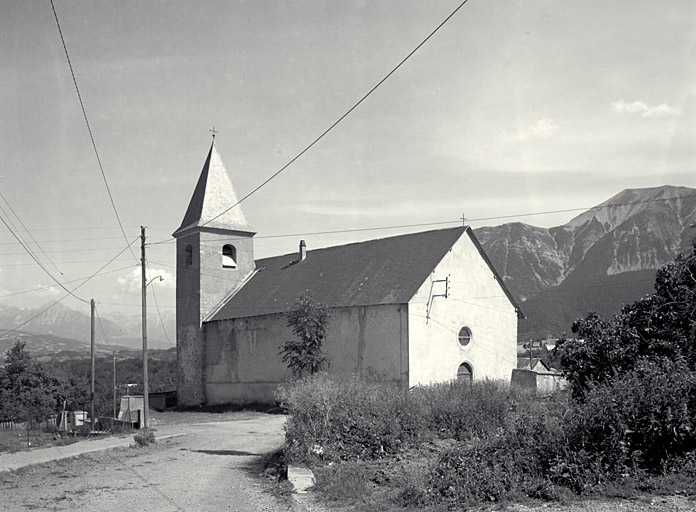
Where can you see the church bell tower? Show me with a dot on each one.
(214, 256)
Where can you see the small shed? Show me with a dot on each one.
(132, 409)
(162, 400)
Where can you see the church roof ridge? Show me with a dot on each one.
(380, 271)
(211, 200)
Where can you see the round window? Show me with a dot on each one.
(464, 336)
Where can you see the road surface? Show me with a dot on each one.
(214, 466)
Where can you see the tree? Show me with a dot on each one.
(659, 326)
(27, 393)
(309, 322)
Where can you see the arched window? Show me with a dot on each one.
(188, 261)
(465, 372)
(464, 336)
(229, 256)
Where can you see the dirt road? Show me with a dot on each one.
(213, 467)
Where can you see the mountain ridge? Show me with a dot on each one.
(634, 232)
(637, 229)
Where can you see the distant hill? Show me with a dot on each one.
(43, 346)
(72, 329)
(599, 261)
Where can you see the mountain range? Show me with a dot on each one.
(602, 259)
(64, 327)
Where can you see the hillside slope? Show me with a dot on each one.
(600, 260)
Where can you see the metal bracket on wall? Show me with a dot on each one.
(432, 296)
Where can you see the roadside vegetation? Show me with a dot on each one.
(626, 426)
(32, 393)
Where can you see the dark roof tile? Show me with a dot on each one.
(384, 271)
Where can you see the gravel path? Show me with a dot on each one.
(213, 467)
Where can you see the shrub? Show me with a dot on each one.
(639, 421)
(461, 410)
(144, 438)
(350, 419)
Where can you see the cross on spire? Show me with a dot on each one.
(214, 131)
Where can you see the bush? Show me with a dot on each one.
(350, 419)
(144, 438)
(639, 421)
(461, 410)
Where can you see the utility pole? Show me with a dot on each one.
(114, 354)
(91, 383)
(146, 392)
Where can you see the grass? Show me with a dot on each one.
(19, 440)
(455, 446)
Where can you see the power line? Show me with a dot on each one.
(159, 313)
(36, 259)
(62, 251)
(316, 233)
(101, 325)
(29, 233)
(66, 239)
(66, 282)
(68, 294)
(443, 223)
(89, 129)
(593, 208)
(348, 112)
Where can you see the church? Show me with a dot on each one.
(407, 310)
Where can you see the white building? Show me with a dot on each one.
(407, 310)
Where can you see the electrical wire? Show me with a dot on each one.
(30, 234)
(39, 288)
(89, 129)
(593, 208)
(159, 313)
(101, 325)
(36, 259)
(66, 239)
(441, 223)
(4, 334)
(346, 114)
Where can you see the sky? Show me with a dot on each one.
(511, 108)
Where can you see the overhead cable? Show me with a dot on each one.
(4, 334)
(89, 129)
(348, 112)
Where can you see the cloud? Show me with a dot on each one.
(131, 282)
(644, 109)
(542, 129)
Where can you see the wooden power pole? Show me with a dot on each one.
(114, 354)
(91, 383)
(146, 393)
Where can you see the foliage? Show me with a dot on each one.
(641, 420)
(350, 419)
(309, 321)
(27, 392)
(461, 410)
(144, 438)
(74, 378)
(659, 326)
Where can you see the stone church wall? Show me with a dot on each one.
(243, 363)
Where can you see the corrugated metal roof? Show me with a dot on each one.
(214, 193)
(384, 271)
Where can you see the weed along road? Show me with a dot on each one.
(214, 466)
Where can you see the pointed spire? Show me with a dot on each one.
(213, 195)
